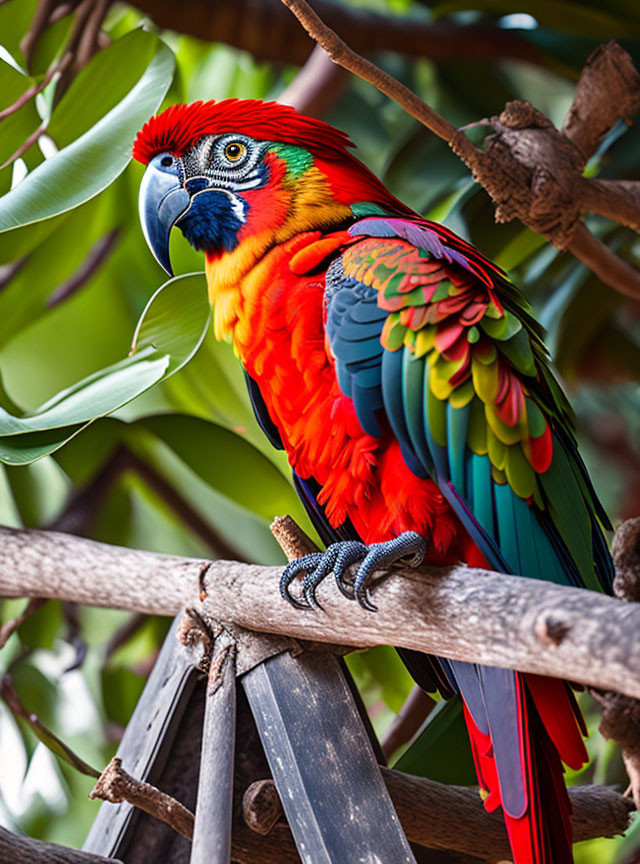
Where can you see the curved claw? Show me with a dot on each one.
(293, 568)
(410, 547)
(348, 555)
(385, 554)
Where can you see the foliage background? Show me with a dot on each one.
(202, 481)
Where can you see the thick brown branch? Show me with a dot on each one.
(115, 785)
(618, 200)
(609, 88)
(454, 611)
(621, 715)
(607, 266)
(266, 31)
(453, 817)
(15, 847)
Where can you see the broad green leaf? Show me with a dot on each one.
(95, 396)
(169, 332)
(50, 45)
(55, 259)
(17, 127)
(35, 691)
(441, 750)
(15, 18)
(41, 629)
(175, 320)
(121, 689)
(224, 460)
(88, 165)
(101, 85)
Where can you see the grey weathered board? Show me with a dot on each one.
(330, 785)
(212, 828)
(147, 740)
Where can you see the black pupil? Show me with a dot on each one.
(233, 151)
(166, 161)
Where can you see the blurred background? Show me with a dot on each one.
(184, 467)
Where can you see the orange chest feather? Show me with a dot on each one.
(276, 317)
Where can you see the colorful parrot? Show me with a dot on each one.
(410, 387)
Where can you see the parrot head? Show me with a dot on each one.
(239, 172)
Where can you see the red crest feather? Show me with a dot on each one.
(179, 127)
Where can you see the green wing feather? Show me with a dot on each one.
(482, 410)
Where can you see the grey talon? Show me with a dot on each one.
(410, 548)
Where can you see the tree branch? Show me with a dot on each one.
(15, 847)
(455, 611)
(265, 30)
(531, 170)
(116, 785)
(453, 818)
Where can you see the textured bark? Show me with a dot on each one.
(453, 818)
(16, 848)
(457, 611)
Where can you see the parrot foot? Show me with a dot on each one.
(409, 547)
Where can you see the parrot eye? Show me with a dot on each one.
(234, 151)
(166, 161)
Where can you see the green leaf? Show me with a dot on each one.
(121, 689)
(88, 165)
(15, 18)
(441, 751)
(101, 85)
(169, 332)
(50, 44)
(19, 125)
(224, 460)
(41, 629)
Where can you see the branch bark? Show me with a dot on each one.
(456, 611)
(116, 785)
(15, 847)
(453, 818)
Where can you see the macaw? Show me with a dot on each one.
(410, 387)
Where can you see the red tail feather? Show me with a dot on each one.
(549, 732)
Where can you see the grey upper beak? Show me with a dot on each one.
(163, 200)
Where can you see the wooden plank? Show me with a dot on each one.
(329, 782)
(147, 740)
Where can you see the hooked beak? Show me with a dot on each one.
(163, 200)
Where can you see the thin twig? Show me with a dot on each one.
(116, 785)
(340, 53)
(408, 720)
(37, 88)
(96, 256)
(49, 738)
(608, 267)
(9, 627)
(26, 145)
